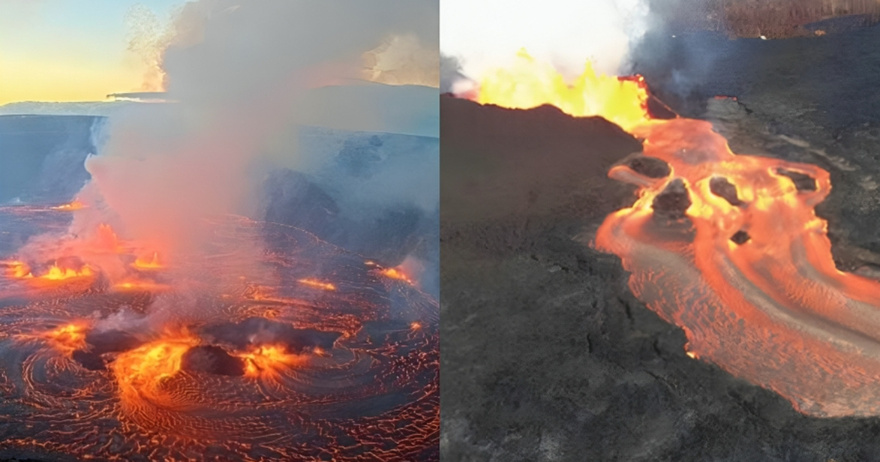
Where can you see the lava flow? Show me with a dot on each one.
(728, 247)
(395, 273)
(113, 352)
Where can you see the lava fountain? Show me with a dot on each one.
(726, 246)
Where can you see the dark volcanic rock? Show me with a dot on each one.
(294, 200)
(805, 99)
(546, 354)
(381, 191)
(651, 167)
(111, 341)
(257, 331)
(740, 237)
(802, 182)
(388, 237)
(673, 201)
(212, 360)
(41, 156)
(658, 109)
(723, 188)
(500, 164)
(89, 360)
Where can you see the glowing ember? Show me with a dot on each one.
(67, 338)
(317, 284)
(395, 273)
(729, 247)
(17, 269)
(56, 273)
(75, 205)
(270, 361)
(136, 285)
(149, 263)
(530, 84)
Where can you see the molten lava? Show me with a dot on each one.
(528, 84)
(141, 372)
(729, 248)
(230, 356)
(311, 282)
(17, 269)
(151, 262)
(139, 285)
(56, 273)
(84, 258)
(66, 338)
(398, 274)
(269, 361)
(72, 206)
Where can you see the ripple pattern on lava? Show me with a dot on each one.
(233, 360)
(747, 271)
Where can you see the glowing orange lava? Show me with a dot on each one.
(85, 374)
(73, 206)
(269, 361)
(17, 269)
(56, 273)
(729, 248)
(67, 338)
(105, 239)
(138, 285)
(141, 372)
(149, 263)
(528, 84)
(317, 284)
(395, 273)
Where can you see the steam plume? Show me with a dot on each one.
(240, 72)
(486, 35)
(242, 77)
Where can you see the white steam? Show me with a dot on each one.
(487, 34)
(241, 73)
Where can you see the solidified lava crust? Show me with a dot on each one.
(232, 360)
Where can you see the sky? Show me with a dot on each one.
(70, 50)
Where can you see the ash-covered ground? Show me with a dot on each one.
(546, 353)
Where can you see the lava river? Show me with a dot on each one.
(727, 247)
(308, 353)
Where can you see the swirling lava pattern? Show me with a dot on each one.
(221, 357)
(726, 246)
(729, 248)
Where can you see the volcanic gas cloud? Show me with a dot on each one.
(728, 247)
(157, 317)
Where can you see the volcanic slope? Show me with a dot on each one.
(546, 354)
